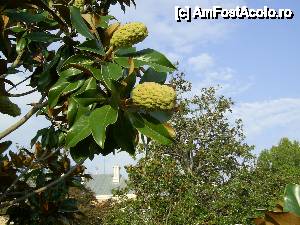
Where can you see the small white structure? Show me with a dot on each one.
(116, 177)
(103, 184)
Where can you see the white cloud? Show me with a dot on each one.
(166, 33)
(261, 117)
(206, 72)
(201, 62)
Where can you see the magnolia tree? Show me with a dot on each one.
(189, 181)
(100, 95)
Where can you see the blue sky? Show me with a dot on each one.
(256, 62)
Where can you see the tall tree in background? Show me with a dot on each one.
(184, 182)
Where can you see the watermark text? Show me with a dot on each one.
(188, 13)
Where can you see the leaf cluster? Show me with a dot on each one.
(85, 87)
(26, 172)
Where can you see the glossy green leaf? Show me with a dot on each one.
(151, 75)
(72, 110)
(292, 199)
(89, 96)
(112, 71)
(4, 146)
(46, 78)
(79, 60)
(79, 24)
(107, 73)
(62, 87)
(129, 82)
(99, 120)
(56, 91)
(154, 59)
(42, 37)
(92, 46)
(17, 29)
(21, 45)
(72, 87)
(115, 93)
(161, 116)
(88, 84)
(104, 21)
(50, 138)
(123, 51)
(79, 131)
(151, 128)
(110, 144)
(71, 72)
(75, 110)
(95, 72)
(122, 61)
(27, 17)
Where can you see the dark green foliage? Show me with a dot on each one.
(277, 167)
(85, 90)
(25, 172)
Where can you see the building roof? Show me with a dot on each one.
(102, 184)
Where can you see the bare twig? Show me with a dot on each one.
(17, 60)
(22, 94)
(21, 82)
(15, 63)
(109, 52)
(31, 112)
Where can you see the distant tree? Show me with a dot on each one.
(276, 167)
(91, 209)
(262, 187)
(185, 183)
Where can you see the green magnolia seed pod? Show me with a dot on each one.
(152, 96)
(128, 35)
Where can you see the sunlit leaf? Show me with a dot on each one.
(151, 75)
(79, 23)
(92, 46)
(151, 128)
(153, 58)
(42, 37)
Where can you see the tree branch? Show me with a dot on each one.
(24, 119)
(22, 94)
(14, 64)
(21, 82)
